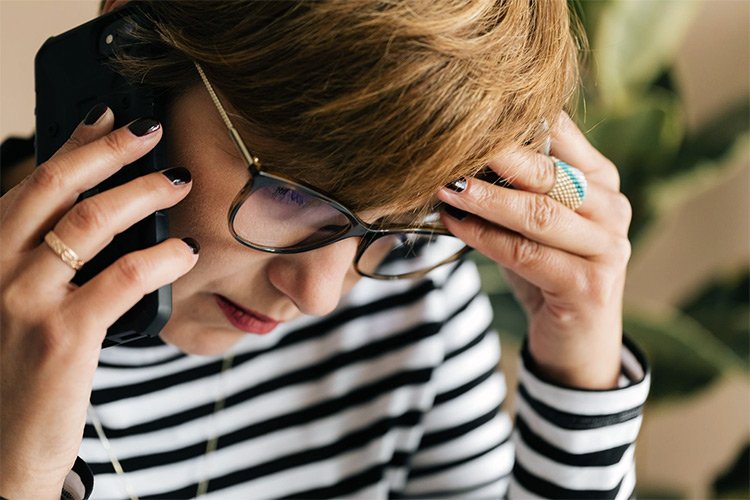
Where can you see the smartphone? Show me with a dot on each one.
(71, 76)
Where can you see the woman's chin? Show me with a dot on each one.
(200, 339)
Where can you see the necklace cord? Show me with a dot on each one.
(211, 444)
(112, 457)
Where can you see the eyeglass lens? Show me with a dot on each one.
(279, 215)
(404, 253)
(285, 216)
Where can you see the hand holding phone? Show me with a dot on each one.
(89, 190)
(51, 331)
(73, 72)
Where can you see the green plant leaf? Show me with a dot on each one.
(664, 194)
(723, 306)
(734, 482)
(642, 141)
(634, 41)
(684, 356)
(588, 12)
(713, 139)
(648, 132)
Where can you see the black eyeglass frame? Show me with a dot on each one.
(369, 233)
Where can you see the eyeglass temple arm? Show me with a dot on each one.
(248, 157)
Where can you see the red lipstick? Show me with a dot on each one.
(244, 319)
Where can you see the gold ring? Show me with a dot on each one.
(570, 185)
(63, 251)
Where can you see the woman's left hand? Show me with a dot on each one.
(567, 268)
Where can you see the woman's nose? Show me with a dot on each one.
(315, 280)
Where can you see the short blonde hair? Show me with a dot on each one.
(377, 102)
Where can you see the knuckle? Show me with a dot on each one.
(481, 197)
(49, 341)
(611, 173)
(623, 250)
(48, 176)
(579, 284)
(133, 270)
(73, 142)
(526, 252)
(12, 299)
(481, 234)
(116, 142)
(543, 176)
(624, 208)
(89, 215)
(19, 318)
(600, 286)
(541, 213)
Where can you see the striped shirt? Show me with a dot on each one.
(396, 394)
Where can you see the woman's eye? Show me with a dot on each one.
(288, 195)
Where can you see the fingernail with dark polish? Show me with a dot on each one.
(456, 213)
(458, 185)
(95, 113)
(194, 246)
(144, 126)
(177, 175)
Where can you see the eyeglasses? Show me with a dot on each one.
(273, 213)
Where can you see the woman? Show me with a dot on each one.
(291, 374)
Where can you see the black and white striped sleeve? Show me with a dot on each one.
(573, 443)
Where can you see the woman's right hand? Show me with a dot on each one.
(51, 330)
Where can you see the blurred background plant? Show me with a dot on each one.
(632, 109)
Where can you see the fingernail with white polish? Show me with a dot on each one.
(458, 185)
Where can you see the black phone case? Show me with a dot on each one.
(71, 76)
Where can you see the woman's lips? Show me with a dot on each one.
(243, 319)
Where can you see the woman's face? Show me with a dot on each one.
(280, 287)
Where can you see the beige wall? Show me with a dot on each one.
(712, 66)
(24, 26)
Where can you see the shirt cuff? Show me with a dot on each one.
(580, 420)
(79, 482)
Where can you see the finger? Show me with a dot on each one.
(56, 184)
(100, 302)
(538, 217)
(92, 224)
(551, 269)
(570, 145)
(97, 122)
(607, 208)
(525, 170)
(534, 172)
